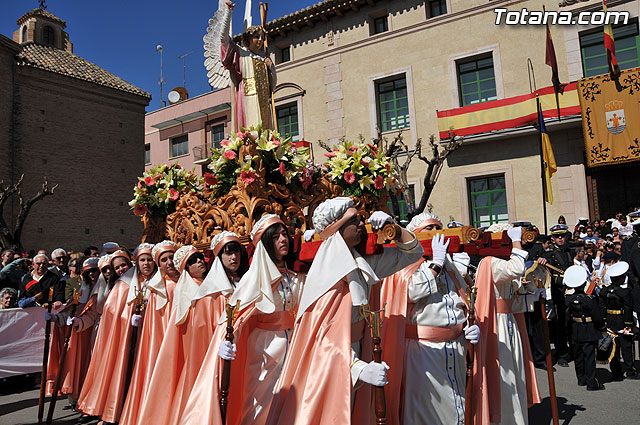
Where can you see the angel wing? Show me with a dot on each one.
(216, 72)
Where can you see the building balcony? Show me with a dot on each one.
(201, 154)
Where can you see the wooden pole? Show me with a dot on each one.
(550, 376)
(226, 366)
(133, 343)
(45, 360)
(374, 320)
(63, 355)
(471, 354)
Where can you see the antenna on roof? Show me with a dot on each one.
(184, 66)
(162, 81)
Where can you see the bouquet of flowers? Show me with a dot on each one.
(160, 187)
(360, 168)
(285, 161)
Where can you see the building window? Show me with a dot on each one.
(288, 120)
(594, 54)
(393, 104)
(179, 145)
(147, 154)
(381, 24)
(285, 54)
(477, 81)
(217, 135)
(437, 8)
(487, 200)
(48, 37)
(24, 34)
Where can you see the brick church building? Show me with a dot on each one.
(82, 127)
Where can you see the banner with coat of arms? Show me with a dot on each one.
(611, 119)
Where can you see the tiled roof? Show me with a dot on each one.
(66, 63)
(314, 13)
(42, 13)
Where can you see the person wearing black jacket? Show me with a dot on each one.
(586, 327)
(559, 258)
(534, 319)
(35, 286)
(631, 248)
(616, 302)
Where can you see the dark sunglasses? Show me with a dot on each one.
(194, 259)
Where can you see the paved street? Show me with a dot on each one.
(618, 404)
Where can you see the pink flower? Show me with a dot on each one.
(158, 176)
(353, 148)
(149, 181)
(330, 154)
(210, 179)
(139, 184)
(365, 162)
(178, 166)
(277, 142)
(349, 177)
(140, 210)
(231, 155)
(282, 168)
(378, 183)
(225, 142)
(173, 194)
(248, 176)
(372, 147)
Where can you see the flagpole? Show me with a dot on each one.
(542, 174)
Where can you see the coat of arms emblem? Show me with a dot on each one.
(614, 113)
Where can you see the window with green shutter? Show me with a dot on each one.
(288, 120)
(393, 104)
(594, 54)
(477, 81)
(487, 200)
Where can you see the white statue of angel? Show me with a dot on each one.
(248, 67)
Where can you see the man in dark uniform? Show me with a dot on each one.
(586, 327)
(615, 301)
(559, 258)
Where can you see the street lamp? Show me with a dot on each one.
(161, 82)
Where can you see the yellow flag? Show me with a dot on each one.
(550, 166)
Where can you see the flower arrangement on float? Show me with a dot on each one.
(286, 162)
(160, 187)
(360, 168)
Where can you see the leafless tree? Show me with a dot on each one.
(10, 238)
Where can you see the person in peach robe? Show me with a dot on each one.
(198, 304)
(156, 321)
(104, 391)
(78, 354)
(504, 389)
(269, 295)
(328, 375)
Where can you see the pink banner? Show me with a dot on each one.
(21, 340)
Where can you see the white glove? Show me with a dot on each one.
(227, 351)
(70, 320)
(439, 248)
(515, 234)
(540, 293)
(378, 219)
(472, 333)
(375, 373)
(308, 234)
(136, 320)
(52, 317)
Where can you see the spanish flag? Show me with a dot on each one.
(609, 44)
(548, 160)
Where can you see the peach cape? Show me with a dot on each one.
(394, 293)
(154, 327)
(315, 385)
(180, 357)
(102, 394)
(486, 368)
(78, 354)
(204, 403)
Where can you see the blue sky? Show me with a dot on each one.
(121, 35)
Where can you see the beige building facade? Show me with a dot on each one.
(347, 67)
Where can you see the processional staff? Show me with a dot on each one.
(232, 312)
(139, 306)
(45, 358)
(374, 320)
(471, 356)
(67, 335)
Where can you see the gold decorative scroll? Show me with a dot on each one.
(610, 119)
